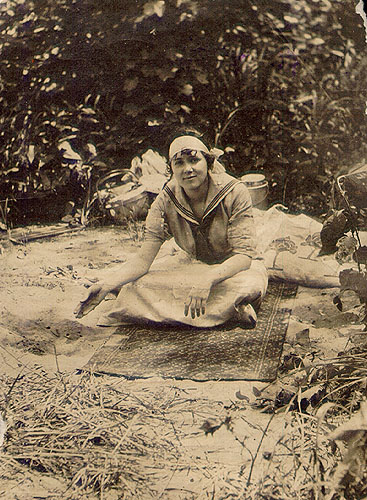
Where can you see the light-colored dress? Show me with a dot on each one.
(226, 228)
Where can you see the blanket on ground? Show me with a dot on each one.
(226, 352)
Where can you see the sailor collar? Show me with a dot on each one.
(219, 186)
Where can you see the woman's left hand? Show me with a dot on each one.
(197, 298)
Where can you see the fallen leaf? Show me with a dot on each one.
(357, 423)
(314, 394)
(338, 303)
(322, 411)
(303, 337)
(256, 392)
(242, 397)
(210, 427)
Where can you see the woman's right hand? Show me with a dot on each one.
(96, 295)
(130, 271)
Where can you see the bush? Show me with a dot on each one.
(282, 85)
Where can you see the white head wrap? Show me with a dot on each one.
(194, 143)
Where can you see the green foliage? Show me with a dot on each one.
(282, 83)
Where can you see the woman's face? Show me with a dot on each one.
(190, 170)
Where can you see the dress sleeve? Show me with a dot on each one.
(156, 228)
(241, 227)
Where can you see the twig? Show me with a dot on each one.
(7, 396)
(58, 369)
(16, 359)
(258, 449)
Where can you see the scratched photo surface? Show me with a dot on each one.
(183, 249)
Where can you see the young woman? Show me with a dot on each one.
(216, 276)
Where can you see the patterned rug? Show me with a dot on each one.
(227, 352)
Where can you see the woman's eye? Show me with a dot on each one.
(177, 163)
(193, 159)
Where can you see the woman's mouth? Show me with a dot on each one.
(189, 177)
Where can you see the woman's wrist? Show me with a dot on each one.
(112, 286)
(211, 276)
(231, 266)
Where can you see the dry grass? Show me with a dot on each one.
(101, 437)
(92, 432)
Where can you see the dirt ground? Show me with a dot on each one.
(41, 283)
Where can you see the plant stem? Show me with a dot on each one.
(258, 449)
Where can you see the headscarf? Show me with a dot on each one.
(193, 143)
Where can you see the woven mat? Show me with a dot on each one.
(227, 352)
